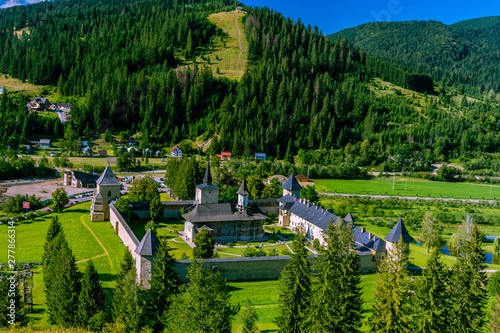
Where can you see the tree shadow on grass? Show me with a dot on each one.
(107, 277)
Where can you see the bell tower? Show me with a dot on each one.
(242, 197)
(207, 193)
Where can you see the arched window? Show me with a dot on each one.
(109, 193)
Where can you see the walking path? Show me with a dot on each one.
(106, 253)
(240, 46)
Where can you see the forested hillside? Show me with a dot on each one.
(464, 55)
(130, 65)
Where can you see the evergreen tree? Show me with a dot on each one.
(289, 152)
(9, 299)
(164, 285)
(54, 230)
(62, 284)
(204, 245)
(336, 301)
(392, 308)
(127, 265)
(204, 304)
(126, 309)
(91, 300)
(295, 289)
(248, 318)
(156, 209)
(431, 297)
(467, 287)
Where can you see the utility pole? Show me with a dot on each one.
(406, 183)
(393, 181)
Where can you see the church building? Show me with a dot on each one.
(225, 223)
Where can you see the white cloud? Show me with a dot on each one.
(11, 3)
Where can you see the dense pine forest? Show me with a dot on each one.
(132, 66)
(464, 55)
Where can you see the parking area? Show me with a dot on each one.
(41, 189)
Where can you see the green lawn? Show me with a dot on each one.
(30, 237)
(413, 187)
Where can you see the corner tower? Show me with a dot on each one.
(292, 187)
(108, 188)
(397, 234)
(207, 193)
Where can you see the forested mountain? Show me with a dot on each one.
(464, 55)
(129, 66)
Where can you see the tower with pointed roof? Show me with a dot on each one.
(397, 234)
(207, 193)
(145, 255)
(292, 187)
(108, 188)
(242, 197)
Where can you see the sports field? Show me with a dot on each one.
(408, 188)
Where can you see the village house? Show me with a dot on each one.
(260, 156)
(302, 178)
(38, 104)
(280, 178)
(176, 152)
(80, 179)
(61, 107)
(224, 156)
(102, 153)
(45, 143)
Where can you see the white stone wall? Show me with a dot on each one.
(312, 231)
(207, 196)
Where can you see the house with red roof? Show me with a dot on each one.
(176, 152)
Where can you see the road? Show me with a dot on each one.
(400, 197)
(61, 116)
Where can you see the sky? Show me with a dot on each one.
(335, 15)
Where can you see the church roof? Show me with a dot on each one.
(148, 245)
(207, 179)
(243, 188)
(292, 184)
(107, 177)
(220, 212)
(397, 232)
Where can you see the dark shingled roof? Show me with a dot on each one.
(107, 177)
(85, 178)
(207, 179)
(220, 212)
(292, 184)
(308, 211)
(349, 218)
(366, 241)
(243, 188)
(148, 245)
(397, 232)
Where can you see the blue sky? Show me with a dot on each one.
(335, 15)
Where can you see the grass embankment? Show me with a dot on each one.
(230, 53)
(421, 188)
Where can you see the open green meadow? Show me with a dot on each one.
(410, 188)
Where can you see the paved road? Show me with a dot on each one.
(400, 197)
(61, 116)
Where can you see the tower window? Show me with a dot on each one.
(109, 193)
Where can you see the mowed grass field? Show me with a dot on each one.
(421, 188)
(88, 240)
(226, 57)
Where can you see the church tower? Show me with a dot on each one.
(207, 193)
(242, 197)
(108, 188)
(292, 187)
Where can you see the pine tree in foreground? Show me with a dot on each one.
(431, 297)
(91, 300)
(204, 304)
(205, 245)
(392, 308)
(336, 299)
(164, 283)
(54, 229)
(295, 289)
(126, 311)
(62, 284)
(248, 318)
(467, 287)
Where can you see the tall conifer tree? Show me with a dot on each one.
(91, 300)
(336, 302)
(392, 308)
(295, 286)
